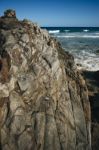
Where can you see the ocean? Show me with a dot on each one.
(81, 42)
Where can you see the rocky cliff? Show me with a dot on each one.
(43, 99)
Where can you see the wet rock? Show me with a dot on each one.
(97, 75)
(47, 104)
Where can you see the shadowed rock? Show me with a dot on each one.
(92, 81)
(44, 100)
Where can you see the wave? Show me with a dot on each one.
(66, 36)
(97, 33)
(85, 30)
(90, 36)
(77, 36)
(67, 30)
(90, 63)
(54, 31)
(87, 60)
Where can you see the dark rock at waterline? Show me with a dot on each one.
(95, 136)
(97, 51)
(43, 98)
(96, 75)
(92, 81)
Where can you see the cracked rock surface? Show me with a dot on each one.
(43, 98)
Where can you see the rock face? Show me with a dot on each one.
(43, 99)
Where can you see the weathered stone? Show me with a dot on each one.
(47, 106)
(10, 40)
(25, 38)
(23, 82)
(10, 13)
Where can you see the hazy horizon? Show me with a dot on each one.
(65, 13)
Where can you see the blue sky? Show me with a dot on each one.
(55, 12)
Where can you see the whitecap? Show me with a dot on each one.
(85, 30)
(54, 31)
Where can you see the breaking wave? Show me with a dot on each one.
(54, 31)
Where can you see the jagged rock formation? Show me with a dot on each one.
(43, 99)
(9, 14)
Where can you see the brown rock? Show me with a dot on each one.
(48, 106)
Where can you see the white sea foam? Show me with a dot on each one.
(78, 36)
(66, 36)
(54, 31)
(87, 61)
(85, 30)
(86, 65)
(90, 36)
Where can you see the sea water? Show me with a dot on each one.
(81, 42)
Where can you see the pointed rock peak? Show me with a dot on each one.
(9, 13)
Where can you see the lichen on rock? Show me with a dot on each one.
(43, 98)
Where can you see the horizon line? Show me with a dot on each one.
(71, 26)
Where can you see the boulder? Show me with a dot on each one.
(43, 98)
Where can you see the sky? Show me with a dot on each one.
(55, 12)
